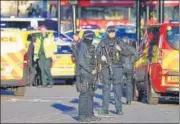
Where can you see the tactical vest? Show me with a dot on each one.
(114, 54)
(89, 57)
(92, 53)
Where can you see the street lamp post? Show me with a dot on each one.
(59, 16)
(74, 18)
(161, 11)
(138, 23)
(74, 3)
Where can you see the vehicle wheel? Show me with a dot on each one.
(135, 92)
(20, 91)
(69, 81)
(150, 98)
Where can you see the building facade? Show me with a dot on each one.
(13, 7)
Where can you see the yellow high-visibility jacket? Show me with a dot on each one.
(49, 46)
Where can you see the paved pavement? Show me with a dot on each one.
(60, 105)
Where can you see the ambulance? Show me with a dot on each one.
(12, 58)
(14, 45)
(156, 72)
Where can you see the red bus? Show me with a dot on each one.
(116, 12)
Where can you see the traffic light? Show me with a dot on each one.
(73, 2)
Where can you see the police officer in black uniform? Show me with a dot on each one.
(110, 51)
(128, 63)
(87, 70)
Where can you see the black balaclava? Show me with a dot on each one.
(88, 41)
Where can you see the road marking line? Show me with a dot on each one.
(35, 117)
(31, 100)
(42, 97)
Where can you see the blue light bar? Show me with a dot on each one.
(173, 21)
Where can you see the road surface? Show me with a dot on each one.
(60, 105)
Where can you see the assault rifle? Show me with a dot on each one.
(109, 62)
(97, 78)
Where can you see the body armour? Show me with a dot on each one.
(113, 53)
(87, 58)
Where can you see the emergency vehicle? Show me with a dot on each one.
(12, 54)
(116, 12)
(63, 66)
(14, 45)
(157, 70)
(99, 33)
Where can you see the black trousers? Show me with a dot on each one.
(86, 96)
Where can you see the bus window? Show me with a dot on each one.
(173, 37)
(31, 36)
(104, 13)
(153, 35)
(171, 13)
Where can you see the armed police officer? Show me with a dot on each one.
(86, 62)
(128, 63)
(110, 51)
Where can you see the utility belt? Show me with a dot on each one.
(113, 66)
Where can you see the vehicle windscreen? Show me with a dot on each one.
(173, 37)
(126, 32)
(63, 49)
(15, 24)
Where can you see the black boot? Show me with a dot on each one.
(103, 112)
(128, 103)
(94, 118)
(84, 119)
(119, 112)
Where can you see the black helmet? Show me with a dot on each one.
(89, 34)
(111, 29)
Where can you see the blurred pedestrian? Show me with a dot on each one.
(30, 10)
(38, 11)
(128, 64)
(44, 51)
(18, 12)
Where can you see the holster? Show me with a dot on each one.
(78, 86)
(84, 87)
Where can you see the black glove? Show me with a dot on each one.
(78, 86)
(94, 87)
